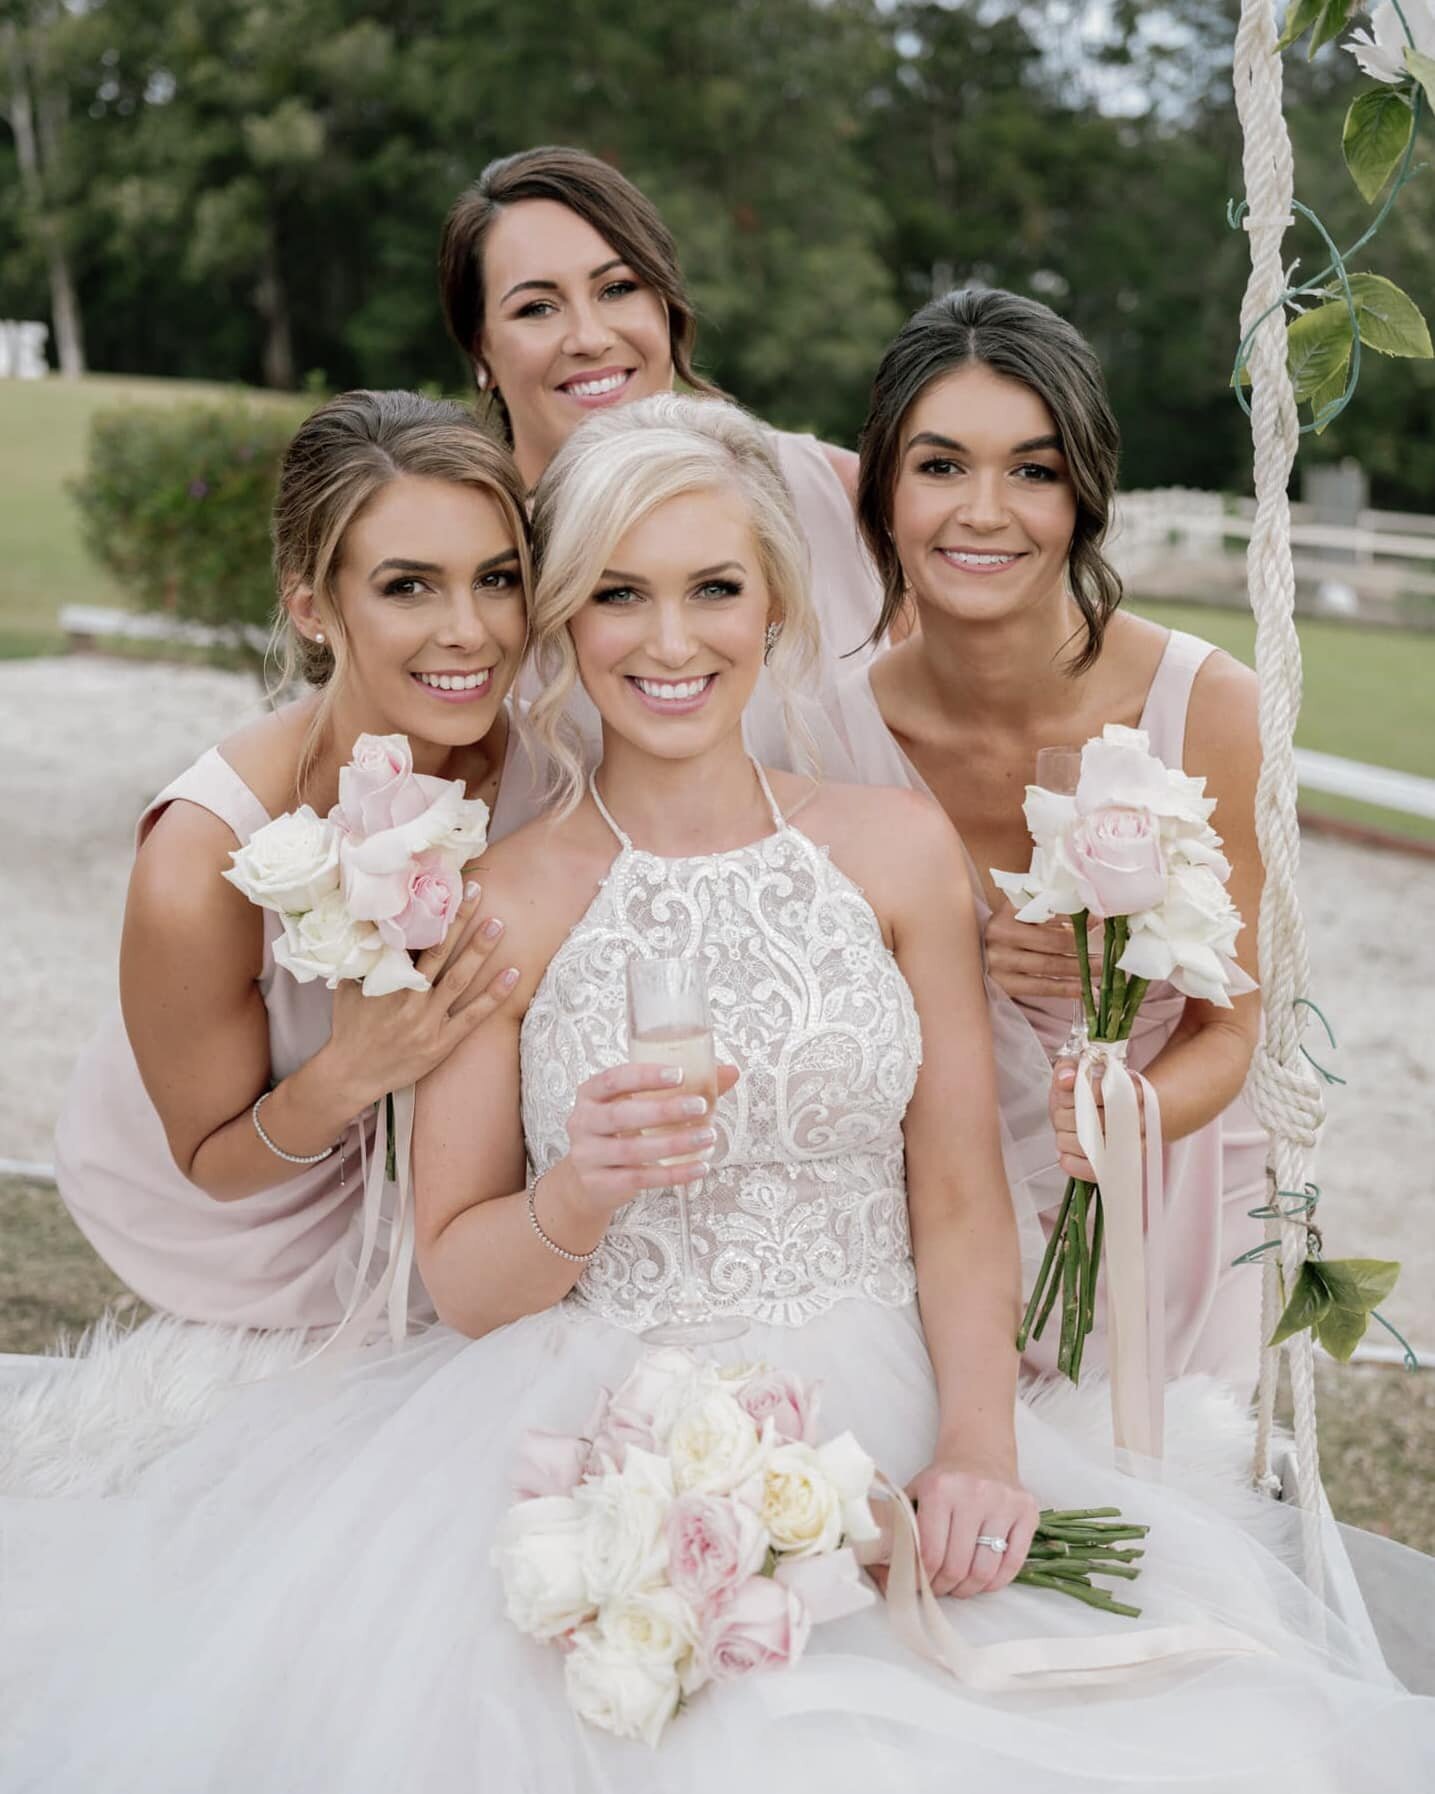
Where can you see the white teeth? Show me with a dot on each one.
(453, 681)
(978, 560)
(685, 688)
(594, 389)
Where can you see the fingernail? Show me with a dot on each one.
(694, 1105)
(509, 978)
(703, 1136)
(472, 892)
(491, 929)
(672, 1074)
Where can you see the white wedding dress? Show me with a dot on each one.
(298, 1599)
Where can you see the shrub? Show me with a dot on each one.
(175, 503)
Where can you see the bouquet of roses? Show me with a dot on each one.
(379, 878)
(1134, 847)
(697, 1533)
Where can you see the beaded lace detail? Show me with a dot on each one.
(805, 1202)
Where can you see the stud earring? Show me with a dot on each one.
(480, 375)
(769, 640)
(319, 637)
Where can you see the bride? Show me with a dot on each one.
(298, 1598)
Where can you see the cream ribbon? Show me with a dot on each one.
(1133, 1199)
(1070, 1661)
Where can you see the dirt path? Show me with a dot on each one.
(85, 742)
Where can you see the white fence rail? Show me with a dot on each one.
(1150, 525)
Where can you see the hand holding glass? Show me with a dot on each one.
(669, 1024)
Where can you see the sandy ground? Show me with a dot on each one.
(85, 742)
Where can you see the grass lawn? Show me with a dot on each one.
(1369, 695)
(44, 430)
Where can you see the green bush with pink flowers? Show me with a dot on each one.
(175, 503)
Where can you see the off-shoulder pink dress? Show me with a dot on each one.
(1213, 1177)
(283, 1257)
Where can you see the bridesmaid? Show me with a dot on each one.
(401, 547)
(988, 469)
(561, 287)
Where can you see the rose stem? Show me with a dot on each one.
(1024, 1332)
(1083, 959)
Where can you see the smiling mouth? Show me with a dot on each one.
(455, 685)
(985, 561)
(672, 696)
(596, 387)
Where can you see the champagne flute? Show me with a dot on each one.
(1058, 769)
(669, 1024)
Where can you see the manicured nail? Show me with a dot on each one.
(672, 1074)
(472, 892)
(694, 1105)
(491, 929)
(509, 978)
(703, 1136)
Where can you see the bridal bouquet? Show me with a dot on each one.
(1134, 847)
(379, 878)
(697, 1533)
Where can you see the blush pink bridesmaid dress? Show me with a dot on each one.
(1213, 1177)
(285, 1256)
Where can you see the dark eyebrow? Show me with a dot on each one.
(402, 565)
(551, 286)
(930, 439)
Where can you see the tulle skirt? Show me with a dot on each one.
(298, 1599)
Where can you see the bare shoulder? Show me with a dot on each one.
(539, 881)
(1223, 719)
(844, 464)
(890, 840)
(177, 893)
(265, 753)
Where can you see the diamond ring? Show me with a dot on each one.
(991, 1543)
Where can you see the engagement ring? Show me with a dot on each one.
(992, 1544)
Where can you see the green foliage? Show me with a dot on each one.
(1324, 19)
(1390, 321)
(1335, 1298)
(175, 504)
(1378, 129)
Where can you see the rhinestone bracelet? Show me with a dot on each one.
(290, 1158)
(574, 1258)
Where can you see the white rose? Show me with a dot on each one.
(328, 943)
(800, 1506)
(1190, 939)
(539, 1555)
(290, 864)
(1381, 51)
(851, 1471)
(393, 970)
(662, 1383)
(625, 1538)
(1119, 770)
(630, 1696)
(714, 1446)
(655, 1626)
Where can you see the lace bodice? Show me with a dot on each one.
(806, 1201)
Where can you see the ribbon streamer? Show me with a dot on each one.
(1017, 1664)
(1133, 1197)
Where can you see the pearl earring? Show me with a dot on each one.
(319, 637)
(769, 640)
(481, 377)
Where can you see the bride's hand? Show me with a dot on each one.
(958, 1502)
(1031, 959)
(610, 1156)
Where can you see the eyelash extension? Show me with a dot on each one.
(613, 594)
(726, 588)
(392, 587)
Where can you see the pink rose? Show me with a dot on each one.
(761, 1626)
(378, 789)
(548, 1464)
(714, 1545)
(612, 1430)
(785, 1400)
(1116, 853)
(434, 891)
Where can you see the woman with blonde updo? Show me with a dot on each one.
(401, 556)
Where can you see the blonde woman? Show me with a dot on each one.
(304, 1589)
(210, 1142)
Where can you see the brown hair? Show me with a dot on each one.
(340, 457)
(1020, 339)
(599, 195)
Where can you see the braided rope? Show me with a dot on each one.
(1285, 1094)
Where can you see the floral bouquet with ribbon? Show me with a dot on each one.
(1134, 848)
(357, 893)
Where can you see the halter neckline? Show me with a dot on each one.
(779, 821)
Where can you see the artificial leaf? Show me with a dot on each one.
(1389, 321)
(1340, 1330)
(1300, 16)
(1309, 1301)
(1378, 128)
(1326, 395)
(1423, 69)
(1318, 343)
(1332, 21)
(1359, 1282)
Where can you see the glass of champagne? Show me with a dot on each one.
(669, 1024)
(1058, 769)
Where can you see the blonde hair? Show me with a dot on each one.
(612, 473)
(340, 458)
